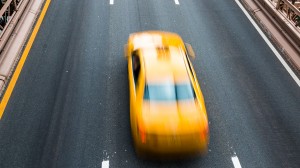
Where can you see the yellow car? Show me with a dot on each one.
(167, 110)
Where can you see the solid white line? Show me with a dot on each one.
(111, 2)
(236, 162)
(176, 2)
(290, 71)
(105, 164)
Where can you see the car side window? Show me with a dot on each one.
(136, 66)
(192, 72)
(189, 65)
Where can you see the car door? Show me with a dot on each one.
(136, 83)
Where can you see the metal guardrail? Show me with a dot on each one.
(8, 7)
(285, 14)
(290, 10)
(10, 13)
(286, 38)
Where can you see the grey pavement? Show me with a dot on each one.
(70, 105)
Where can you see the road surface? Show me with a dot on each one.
(70, 105)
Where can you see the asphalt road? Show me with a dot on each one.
(70, 105)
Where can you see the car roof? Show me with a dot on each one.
(164, 64)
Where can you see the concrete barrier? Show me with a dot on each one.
(283, 21)
(14, 45)
(11, 24)
(284, 37)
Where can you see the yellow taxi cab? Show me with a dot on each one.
(167, 109)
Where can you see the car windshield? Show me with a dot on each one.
(169, 91)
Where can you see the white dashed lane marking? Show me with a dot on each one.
(236, 162)
(176, 2)
(105, 164)
(111, 2)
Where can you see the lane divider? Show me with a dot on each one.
(105, 164)
(290, 71)
(236, 162)
(23, 58)
(177, 2)
(111, 2)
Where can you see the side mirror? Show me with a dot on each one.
(126, 50)
(190, 50)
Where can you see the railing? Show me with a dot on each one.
(8, 7)
(282, 14)
(10, 13)
(290, 9)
